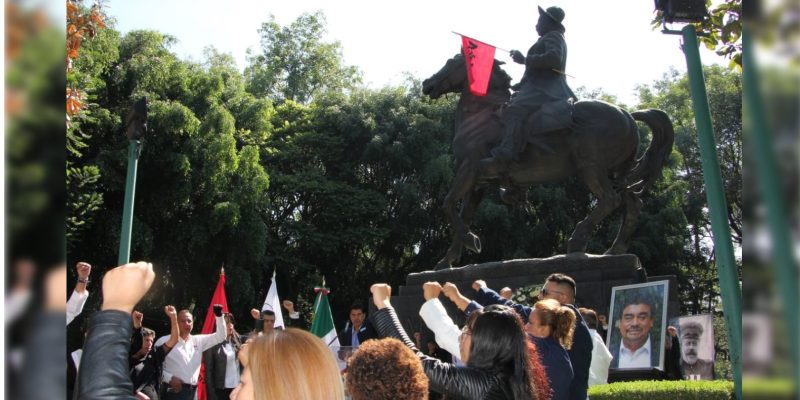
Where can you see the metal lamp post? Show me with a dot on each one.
(695, 11)
(136, 127)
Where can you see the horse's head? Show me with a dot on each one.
(449, 79)
(452, 78)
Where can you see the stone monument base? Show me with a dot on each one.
(595, 275)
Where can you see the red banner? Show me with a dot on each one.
(479, 57)
(208, 327)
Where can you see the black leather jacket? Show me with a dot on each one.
(104, 364)
(458, 383)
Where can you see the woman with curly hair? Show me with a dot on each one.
(385, 369)
(551, 327)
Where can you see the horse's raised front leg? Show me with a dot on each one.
(461, 188)
(607, 201)
(633, 207)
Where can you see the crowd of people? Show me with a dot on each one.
(504, 350)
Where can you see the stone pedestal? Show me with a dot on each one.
(595, 276)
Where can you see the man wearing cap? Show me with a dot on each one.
(693, 367)
(543, 89)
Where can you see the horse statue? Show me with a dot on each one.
(599, 146)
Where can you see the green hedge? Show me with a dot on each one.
(768, 389)
(663, 390)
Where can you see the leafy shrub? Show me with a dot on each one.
(663, 390)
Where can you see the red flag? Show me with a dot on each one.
(208, 327)
(479, 57)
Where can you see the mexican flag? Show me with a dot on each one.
(322, 325)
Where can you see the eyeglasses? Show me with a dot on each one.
(545, 292)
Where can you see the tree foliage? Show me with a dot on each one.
(296, 64)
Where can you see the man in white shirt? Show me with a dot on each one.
(182, 364)
(601, 357)
(636, 350)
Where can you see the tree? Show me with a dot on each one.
(698, 278)
(295, 64)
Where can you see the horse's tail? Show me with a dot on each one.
(648, 167)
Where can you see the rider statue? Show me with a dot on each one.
(543, 89)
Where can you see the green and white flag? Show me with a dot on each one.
(322, 325)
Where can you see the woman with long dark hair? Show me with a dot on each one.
(493, 345)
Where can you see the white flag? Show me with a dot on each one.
(273, 304)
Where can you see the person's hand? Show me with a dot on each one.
(176, 384)
(170, 311)
(517, 56)
(672, 331)
(217, 310)
(137, 319)
(381, 293)
(451, 291)
(479, 284)
(431, 290)
(255, 314)
(289, 306)
(125, 285)
(83, 269)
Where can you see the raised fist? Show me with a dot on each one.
(381, 292)
(218, 310)
(83, 269)
(431, 290)
(125, 285)
(170, 311)
(137, 319)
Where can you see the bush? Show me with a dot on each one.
(666, 390)
(768, 388)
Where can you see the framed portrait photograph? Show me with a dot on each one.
(637, 325)
(696, 334)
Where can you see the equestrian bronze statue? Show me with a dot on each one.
(598, 144)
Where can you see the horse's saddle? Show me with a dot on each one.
(552, 116)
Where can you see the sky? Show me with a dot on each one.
(610, 43)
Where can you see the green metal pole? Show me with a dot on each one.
(723, 248)
(785, 268)
(127, 211)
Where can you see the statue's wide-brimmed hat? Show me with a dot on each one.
(554, 13)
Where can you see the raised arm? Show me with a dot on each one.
(79, 296)
(435, 317)
(446, 378)
(104, 366)
(487, 297)
(451, 292)
(208, 341)
(173, 328)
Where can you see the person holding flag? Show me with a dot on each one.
(543, 89)
(182, 365)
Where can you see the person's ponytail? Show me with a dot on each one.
(564, 326)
